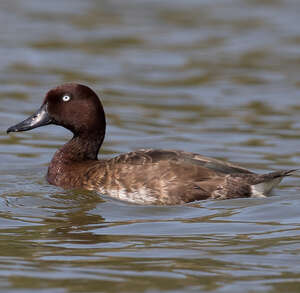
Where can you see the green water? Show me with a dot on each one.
(220, 78)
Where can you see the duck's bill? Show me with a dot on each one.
(39, 118)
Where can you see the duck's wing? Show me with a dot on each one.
(146, 156)
(175, 177)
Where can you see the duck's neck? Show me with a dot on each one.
(76, 153)
(81, 148)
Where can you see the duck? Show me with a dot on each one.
(145, 176)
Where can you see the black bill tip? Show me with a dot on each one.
(12, 129)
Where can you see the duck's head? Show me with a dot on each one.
(73, 106)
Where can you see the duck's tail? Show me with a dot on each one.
(266, 182)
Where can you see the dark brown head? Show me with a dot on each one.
(73, 106)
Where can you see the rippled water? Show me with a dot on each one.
(215, 77)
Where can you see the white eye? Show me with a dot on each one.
(66, 98)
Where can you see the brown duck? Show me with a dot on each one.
(147, 176)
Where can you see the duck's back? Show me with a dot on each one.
(172, 177)
(152, 156)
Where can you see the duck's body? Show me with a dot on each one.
(164, 177)
(148, 176)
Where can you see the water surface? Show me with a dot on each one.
(215, 77)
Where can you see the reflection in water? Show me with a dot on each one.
(221, 80)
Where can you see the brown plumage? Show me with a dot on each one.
(147, 176)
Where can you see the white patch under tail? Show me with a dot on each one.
(263, 189)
